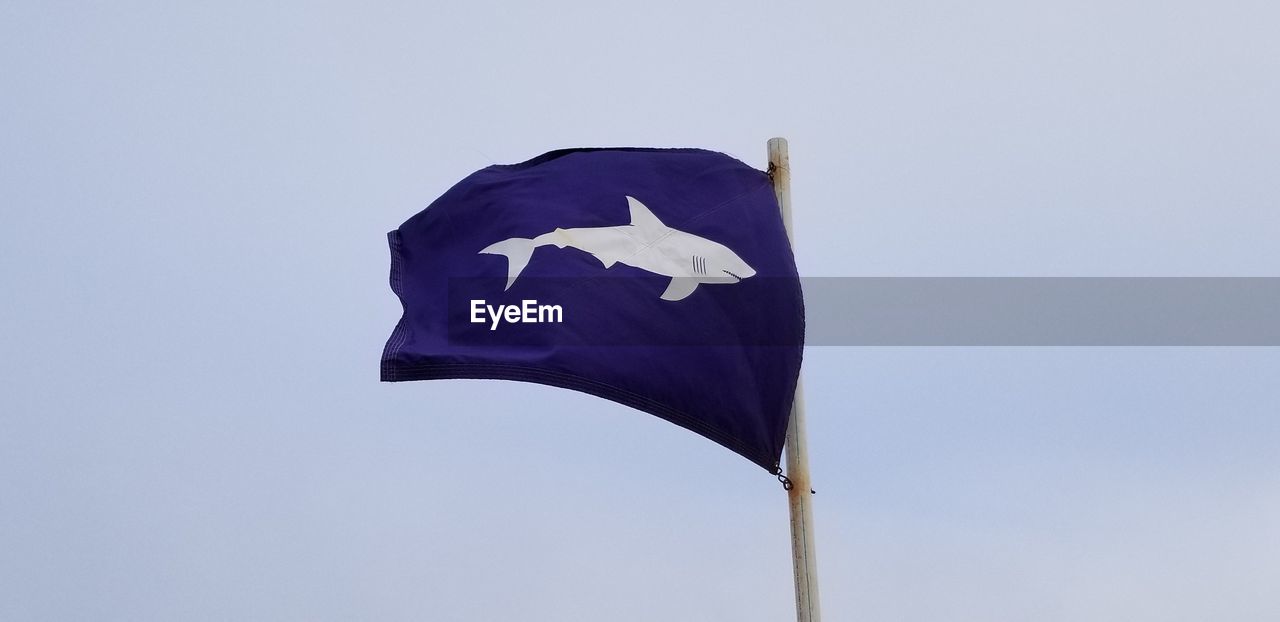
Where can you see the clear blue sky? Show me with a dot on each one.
(193, 204)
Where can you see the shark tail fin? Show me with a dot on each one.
(517, 251)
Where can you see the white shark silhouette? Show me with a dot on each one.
(646, 243)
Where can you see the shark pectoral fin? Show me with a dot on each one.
(679, 288)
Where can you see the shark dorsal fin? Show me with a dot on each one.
(644, 220)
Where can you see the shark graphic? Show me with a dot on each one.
(646, 243)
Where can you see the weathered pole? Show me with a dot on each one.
(799, 495)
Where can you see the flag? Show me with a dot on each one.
(661, 279)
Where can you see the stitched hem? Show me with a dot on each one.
(559, 153)
(401, 332)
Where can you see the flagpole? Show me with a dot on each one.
(799, 495)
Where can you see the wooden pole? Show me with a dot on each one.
(799, 496)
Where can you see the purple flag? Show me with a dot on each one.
(658, 278)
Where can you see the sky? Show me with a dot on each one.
(193, 208)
